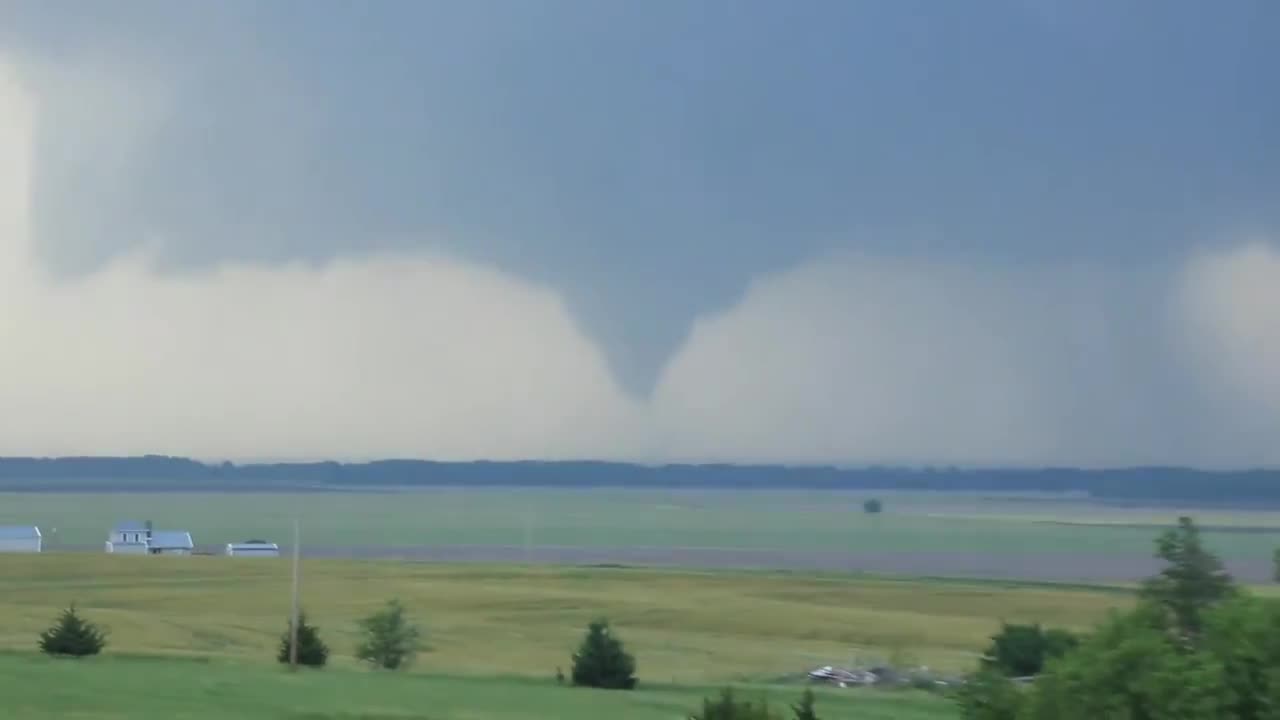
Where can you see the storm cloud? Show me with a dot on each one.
(648, 161)
(839, 357)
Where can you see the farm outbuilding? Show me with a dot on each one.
(170, 542)
(20, 539)
(253, 548)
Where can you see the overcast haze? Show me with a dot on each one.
(1009, 232)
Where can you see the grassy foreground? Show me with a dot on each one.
(685, 627)
(37, 688)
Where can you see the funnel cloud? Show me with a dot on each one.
(200, 327)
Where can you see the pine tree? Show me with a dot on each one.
(805, 711)
(1193, 580)
(73, 636)
(312, 652)
(391, 641)
(601, 661)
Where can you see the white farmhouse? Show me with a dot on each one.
(20, 539)
(129, 538)
(253, 548)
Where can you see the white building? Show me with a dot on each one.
(20, 539)
(135, 538)
(253, 548)
(129, 538)
(170, 542)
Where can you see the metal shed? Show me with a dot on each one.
(170, 542)
(253, 549)
(20, 539)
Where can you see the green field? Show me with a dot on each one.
(194, 637)
(775, 520)
(199, 635)
(146, 689)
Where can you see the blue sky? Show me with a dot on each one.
(649, 161)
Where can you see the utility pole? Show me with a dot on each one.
(528, 535)
(293, 618)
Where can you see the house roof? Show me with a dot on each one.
(171, 539)
(131, 526)
(19, 532)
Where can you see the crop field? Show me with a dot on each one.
(688, 626)
(1031, 537)
(195, 637)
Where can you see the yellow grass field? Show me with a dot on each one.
(684, 627)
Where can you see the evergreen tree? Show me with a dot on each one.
(312, 652)
(805, 711)
(72, 635)
(1193, 581)
(390, 640)
(601, 662)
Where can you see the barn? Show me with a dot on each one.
(20, 539)
(253, 548)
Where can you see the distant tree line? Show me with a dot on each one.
(173, 473)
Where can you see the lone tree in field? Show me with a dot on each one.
(72, 636)
(1023, 650)
(390, 640)
(312, 652)
(873, 506)
(601, 662)
(1193, 581)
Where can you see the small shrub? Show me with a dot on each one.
(873, 506)
(988, 695)
(312, 652)
(72, 636)
(805, 711)
(390, 640)
(1023, 650)
(729, 707)
(601, 661)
